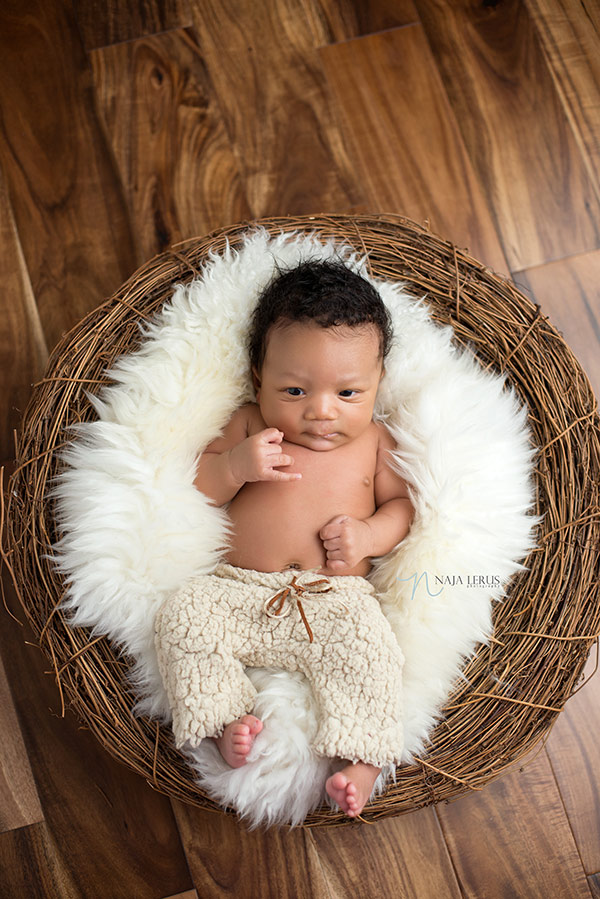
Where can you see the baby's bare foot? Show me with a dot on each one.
(237, 739)
(352, 786)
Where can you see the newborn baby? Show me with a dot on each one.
(312, 499)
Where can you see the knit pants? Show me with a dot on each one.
(331, 629)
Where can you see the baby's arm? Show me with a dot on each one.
(237, 457)
(391, 522)
(349, 540)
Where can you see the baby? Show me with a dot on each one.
(312, 498)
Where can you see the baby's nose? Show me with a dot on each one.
(322, 408)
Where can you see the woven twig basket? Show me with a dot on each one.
(543, 630)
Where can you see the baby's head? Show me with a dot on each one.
(318, 340)
(327, 294)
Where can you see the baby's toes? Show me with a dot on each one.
(339, 782)
(336, 788)
(351, 807)
(253, 724)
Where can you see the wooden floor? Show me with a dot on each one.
(128, 125)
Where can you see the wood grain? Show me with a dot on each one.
(513, 838)
(575, 758)
(405, 145)
(572, 47)
(225, 859)
(179, 173)
(569, 293)
(19, 801)
(401, 857)
(23, 352)
(32, 866)
(275, 105)
(104, 23)
(90, 162)
(340, 20)
(105, 833)
(514, 128)
(66, 197)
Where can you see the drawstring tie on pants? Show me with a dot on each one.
(276, 606)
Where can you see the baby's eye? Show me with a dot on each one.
(294, 391)
(347, 393)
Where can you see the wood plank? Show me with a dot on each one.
(64, 189)
(513, 837)
(23, 352)
(179, 173)
(514, 128)
(275, 105)
(572, 47)
(594, 884)
(345, 19)
(403, 857)
(225, 859)
(19, 801)
(405, 145)
(105, 830)
(592, 11)
(33, 866)
(575, 757)
(102, 23)
(569, 293)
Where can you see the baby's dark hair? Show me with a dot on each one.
(326, 293)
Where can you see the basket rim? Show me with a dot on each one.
(476, 302)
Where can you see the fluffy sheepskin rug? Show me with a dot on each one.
(135, 528)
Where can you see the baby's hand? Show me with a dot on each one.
(347, 542)
(257, 458)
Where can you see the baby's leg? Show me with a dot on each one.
(236, 740)
(352, 786)
(357, 682)
(196, 634)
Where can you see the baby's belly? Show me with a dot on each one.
(276, 525)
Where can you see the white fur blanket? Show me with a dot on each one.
(135, 528)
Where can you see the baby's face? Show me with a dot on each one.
(318, 385)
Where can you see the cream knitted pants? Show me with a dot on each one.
(332, 629)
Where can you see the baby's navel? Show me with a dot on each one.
(367, 481)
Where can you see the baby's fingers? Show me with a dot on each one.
(270, 435)
(275, 475)
(275, 462)
(279, 459)
(336, 564)
(333, 544)
(332, 529)
(272, 474)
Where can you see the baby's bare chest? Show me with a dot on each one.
(338, 482)
(347, 474)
